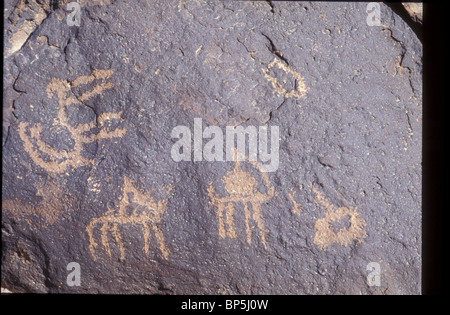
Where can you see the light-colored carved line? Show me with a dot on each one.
(220, 212)
(72, 158)
(140, 198)
(108, 116)
(247, 223)
(322, 200)
(257, 216)
(85, 79)
(147, 234)
(103, 134)
(105, 240)
(279, 89)
(259, 197)
(35, 133)
(297, 209)
(97, 90)
(230, 220)
(92, 243)
(81, 128)
(301, 89)
(118, 237)
(60, 88)
(96, 74)
(126, 219)
(34, 154)
(162, 245)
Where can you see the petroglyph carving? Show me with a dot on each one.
(300, 88)
(241, 188)
(51, 207)
(57, 161)
(326, 234)
(297, 209)
(147, 213)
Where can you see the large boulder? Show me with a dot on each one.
(90, 176)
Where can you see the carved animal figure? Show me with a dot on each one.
(147, 214)
(241, 187)
(55, 160)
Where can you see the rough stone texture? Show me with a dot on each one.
(87, 171)
(415, 10)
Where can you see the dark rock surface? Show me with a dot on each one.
(88, 175)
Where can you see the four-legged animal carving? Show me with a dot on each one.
(241, 187)
(147, 214)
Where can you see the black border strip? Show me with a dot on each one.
(433, 148)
